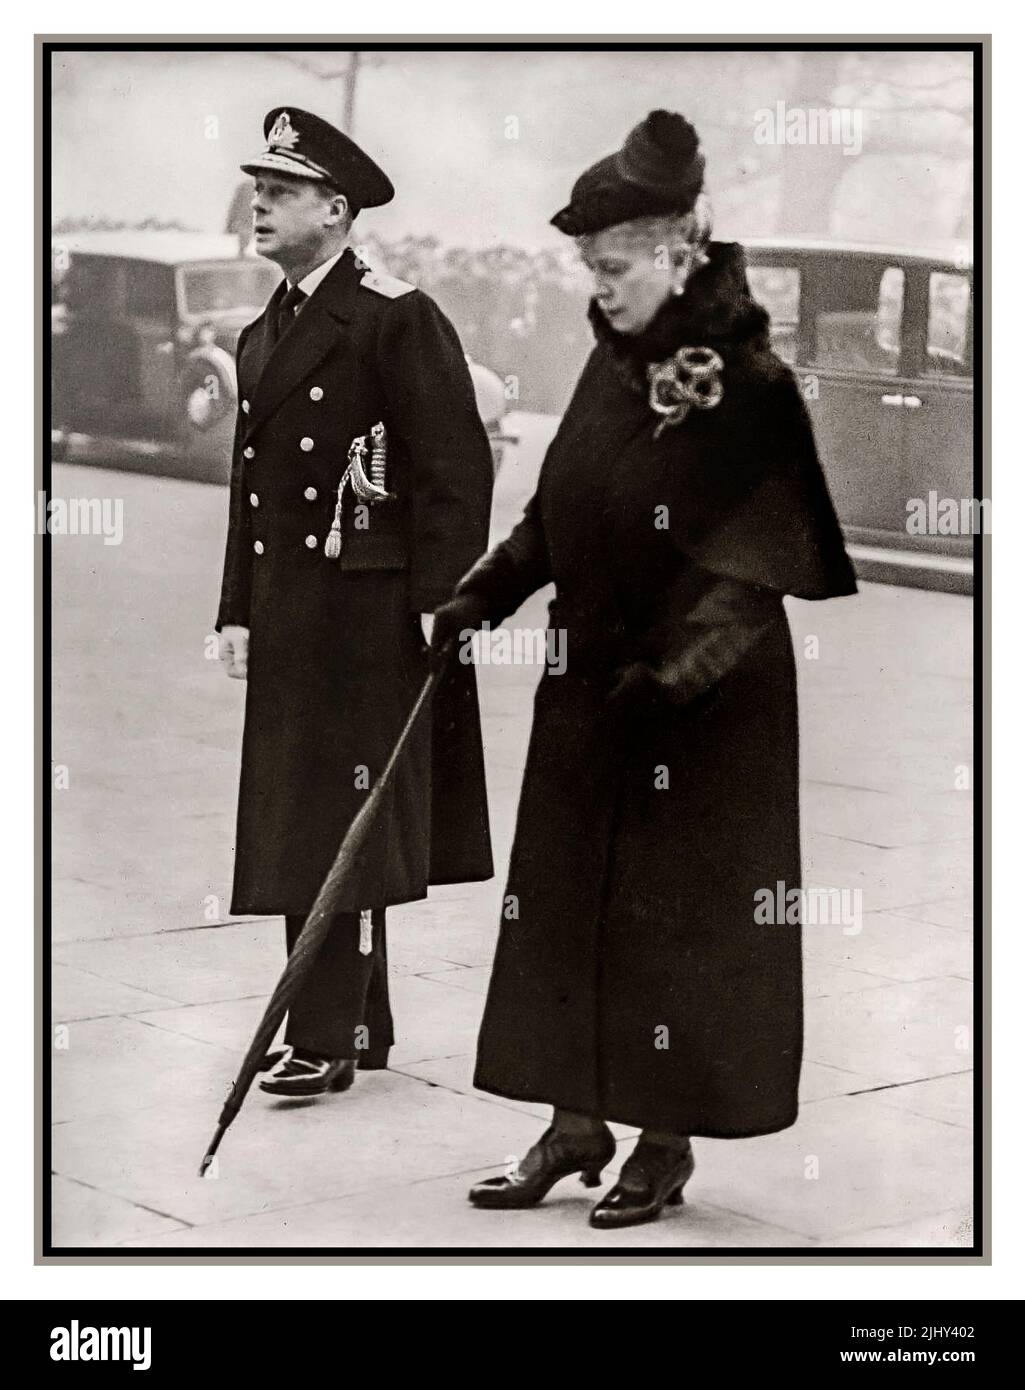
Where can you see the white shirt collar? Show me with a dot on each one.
(310, 282)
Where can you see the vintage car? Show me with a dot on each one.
(880, 339)
(144, 328)
(489, 390)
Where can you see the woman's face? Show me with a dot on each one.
(634, 275)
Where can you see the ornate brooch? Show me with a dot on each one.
(691, 377)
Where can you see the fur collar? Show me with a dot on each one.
(716, 311)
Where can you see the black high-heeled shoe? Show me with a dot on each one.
(653, 1177)
(561, 1156)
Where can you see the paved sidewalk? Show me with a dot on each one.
(157, 991)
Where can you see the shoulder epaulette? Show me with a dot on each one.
(388, 285)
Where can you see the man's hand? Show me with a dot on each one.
(427, 623)
(235, 651)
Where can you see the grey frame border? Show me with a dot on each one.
(982, 693)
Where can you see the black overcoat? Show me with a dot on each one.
(631, 979)
(336, 651)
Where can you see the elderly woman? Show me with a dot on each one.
(680, 500)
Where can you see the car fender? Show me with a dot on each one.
(209, 360)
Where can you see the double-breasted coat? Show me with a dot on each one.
(632, 980)
(336, 650)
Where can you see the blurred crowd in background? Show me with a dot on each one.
(481, 146)
(521, 313)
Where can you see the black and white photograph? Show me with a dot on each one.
(512, 528)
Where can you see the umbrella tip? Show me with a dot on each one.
(205, 1166)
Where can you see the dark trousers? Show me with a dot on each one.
(343, 1008)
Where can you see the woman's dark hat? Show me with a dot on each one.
(660, 169)
(307, 147)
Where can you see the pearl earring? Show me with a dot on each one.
(679, 289)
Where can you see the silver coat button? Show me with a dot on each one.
(311, 542)
(306, 444)
(310, 494)
(248, 452)
(254, 500)
(316, 393)
(245, 407)
(258, 547)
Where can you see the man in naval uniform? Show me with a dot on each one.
(360, 493)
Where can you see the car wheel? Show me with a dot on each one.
(208, 415)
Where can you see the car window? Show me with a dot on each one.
(857, 325)
(150, 290)
(778, 289)
(95, 285)
(947, 348)
(241, 286)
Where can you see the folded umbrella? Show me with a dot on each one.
(359, 839)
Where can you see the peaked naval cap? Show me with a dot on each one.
(303, 145)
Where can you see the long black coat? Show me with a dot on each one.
(631, 980)
(336, 651)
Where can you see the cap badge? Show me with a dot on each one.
(282, 136)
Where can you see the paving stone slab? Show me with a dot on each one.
(83, 1216)
(894, 946)
(950, 1231)
(388, 1130)
(437, 1214)
(955, 913)
(78, 994)
(900, 1032)
(193, 967)
(109, 1066)
(841, 1169)
(946, 1098)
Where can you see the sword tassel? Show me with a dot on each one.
(366, 928)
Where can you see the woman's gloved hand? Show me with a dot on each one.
(709, 655)
(635, 687)
(461, 613)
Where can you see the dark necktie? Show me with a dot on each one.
(287, 309)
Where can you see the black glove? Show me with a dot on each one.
(684, 677)
(464, 611)
(636, 687)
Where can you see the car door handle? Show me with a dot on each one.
(892, 400)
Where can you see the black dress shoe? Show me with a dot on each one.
(560, 1155)
(651, 1178)
(309, 1076)
(371, 1059)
